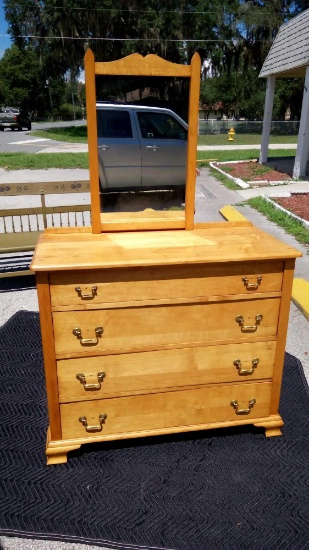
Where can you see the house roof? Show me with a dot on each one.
(289, 54)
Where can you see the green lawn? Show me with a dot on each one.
(242, 139)
(78, 134)
(289, 224)
(21, 161)
(71, 134)
(204, 157)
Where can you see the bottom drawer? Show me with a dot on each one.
(144, 413)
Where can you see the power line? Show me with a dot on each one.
(151, 12)
(105, 39)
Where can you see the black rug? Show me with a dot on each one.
(223, 489)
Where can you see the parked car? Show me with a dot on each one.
(14, 119)
(140, 147)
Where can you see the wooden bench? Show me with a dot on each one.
(21, 227)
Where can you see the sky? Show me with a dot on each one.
(5, 41)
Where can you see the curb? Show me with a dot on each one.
(300, 291)
(238, 181)
(300, 296)
(243, 184)
(279, 207)
(231, 214)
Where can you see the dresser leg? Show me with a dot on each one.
(272, 425)
(57, 451)
(56, 459)
(272, 432)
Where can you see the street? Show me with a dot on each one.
(24, 142)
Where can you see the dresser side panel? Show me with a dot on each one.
(50, 366)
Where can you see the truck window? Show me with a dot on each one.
(160, 126)
(114, 124)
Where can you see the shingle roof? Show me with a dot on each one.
(289, 54)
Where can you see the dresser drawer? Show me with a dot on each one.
(92, 289)
(159, 411)
(114, 375)
(98, 331)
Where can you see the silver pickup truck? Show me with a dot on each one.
(140, 147)
(15, 119)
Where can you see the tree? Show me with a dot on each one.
(235, 35)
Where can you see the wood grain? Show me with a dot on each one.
(145, 327)
(79, 251)
(157, 283)
(162, 371)
(161, 410)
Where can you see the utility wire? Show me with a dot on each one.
(151, 12)
(90, 38)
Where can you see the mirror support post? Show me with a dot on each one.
(194, 97)
(92, 141)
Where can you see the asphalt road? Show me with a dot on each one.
(23, 141)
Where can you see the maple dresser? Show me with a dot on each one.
(158, 332)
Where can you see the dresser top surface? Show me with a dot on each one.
(64, 251)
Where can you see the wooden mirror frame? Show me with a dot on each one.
(137, 65)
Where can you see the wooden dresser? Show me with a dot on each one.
(158, 332)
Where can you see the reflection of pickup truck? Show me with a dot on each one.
(140, 147)
(14, 119)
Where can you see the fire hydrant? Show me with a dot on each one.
(231, 134)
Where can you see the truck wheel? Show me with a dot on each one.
(1, 129)
(19, 128)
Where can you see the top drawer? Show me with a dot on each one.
(91, 289)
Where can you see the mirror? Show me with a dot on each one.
(140, 152)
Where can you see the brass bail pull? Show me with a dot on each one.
(251, 328)
(252, 286)
(91, 387)
(241, 371)
(88, 341)
(86, 296)
(237, 410)
(91, 429)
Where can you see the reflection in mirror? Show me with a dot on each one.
(142, 145)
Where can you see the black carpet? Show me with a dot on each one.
(219, 489)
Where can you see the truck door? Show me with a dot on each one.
(118, 150)
(163, 149)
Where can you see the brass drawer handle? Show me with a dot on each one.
(237, 410)
(91, 387)
(102, 418)
(86, 296)
(252, 286)
(241, 371)
(251, 328)
(88, 341)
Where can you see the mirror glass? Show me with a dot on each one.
(142, 143)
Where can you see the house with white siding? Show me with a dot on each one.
(289, 58)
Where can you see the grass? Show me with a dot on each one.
(21, 161)
(227, 182)
(242, 139)
(70, 134)
(204, 157)
(78, 134)
(289, 224)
